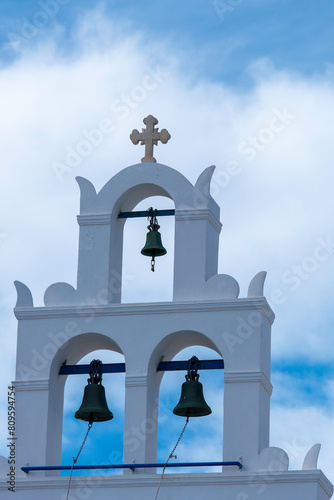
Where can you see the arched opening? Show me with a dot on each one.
(104, 444)
(139, 284)
(203, 438)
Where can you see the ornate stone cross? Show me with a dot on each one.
(150, 137)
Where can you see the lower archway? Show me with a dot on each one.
(104, 444)
(203, 438)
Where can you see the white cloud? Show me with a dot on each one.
(302, 414)
(296, 430)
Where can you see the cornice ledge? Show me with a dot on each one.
(31, 385)
(200, 214)
(294, 476)
(135, 381)
(174, 480)
(94, 219)
(145, 308)
(248, 377)
(325, 484)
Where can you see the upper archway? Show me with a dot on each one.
(101, 236)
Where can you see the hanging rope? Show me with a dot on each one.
(171, 455)
(76, 458)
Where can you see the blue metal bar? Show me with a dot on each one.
(145, 213)
(132, 466)
(84, 369)
(167, 366)
(213, 364)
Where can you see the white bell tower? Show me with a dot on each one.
(206, 310)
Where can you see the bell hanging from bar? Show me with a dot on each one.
(153, 246)
(94, 406)
(192, 402)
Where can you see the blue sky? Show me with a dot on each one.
(224, 74)
(217, 39)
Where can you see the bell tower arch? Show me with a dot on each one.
(236, 327)
(101, 231)
(205, 309)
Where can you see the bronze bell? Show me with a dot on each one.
(94, 406)
(153, 246)
(192, 402)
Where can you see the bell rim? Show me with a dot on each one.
(154, 253)
(85, 418)
(179, 414)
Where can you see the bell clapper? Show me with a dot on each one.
(152, 264)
